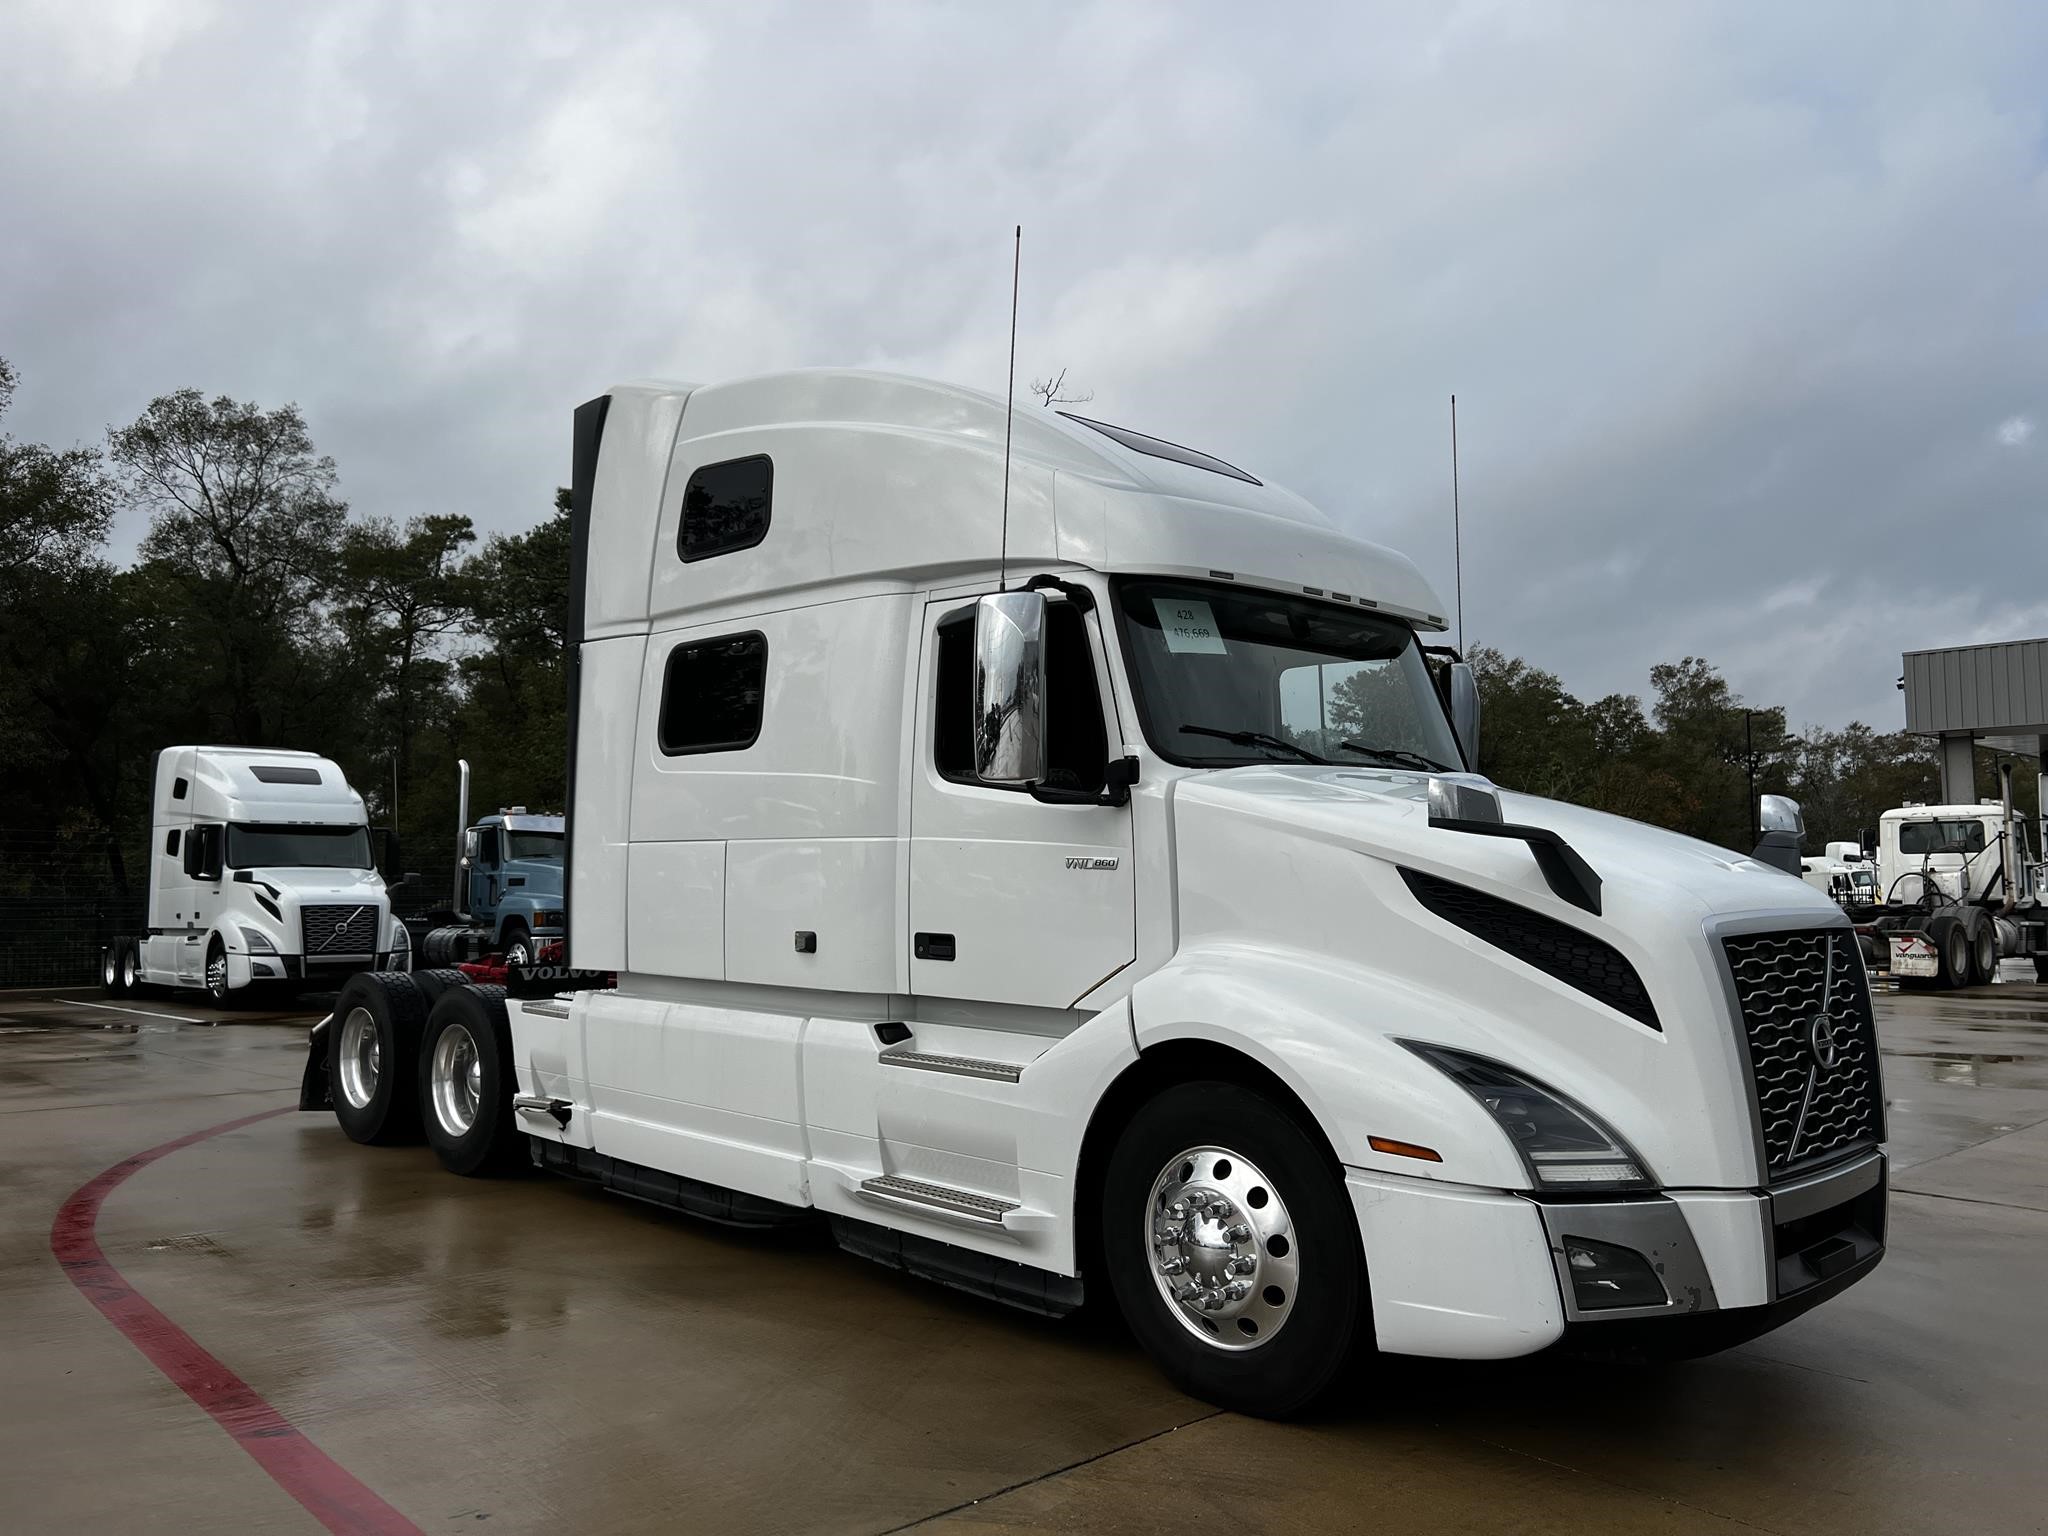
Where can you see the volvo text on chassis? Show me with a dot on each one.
(1113, 913)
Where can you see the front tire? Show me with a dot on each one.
(218, 992)
(518, 947)
(466, 1084)
(1232, 1249)
(372, 1058)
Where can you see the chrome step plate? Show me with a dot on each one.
(959, 1066)
(937, 1198)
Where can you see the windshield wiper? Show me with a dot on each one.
(1400, 757)
(1254, 739)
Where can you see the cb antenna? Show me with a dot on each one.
(1457, 533)
(1010, 414)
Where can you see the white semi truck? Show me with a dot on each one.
(261, 873)
(1958, 888)
(1050, 858)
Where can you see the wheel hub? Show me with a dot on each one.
(360, 1056)
(1222, 1248)
(457, 1077)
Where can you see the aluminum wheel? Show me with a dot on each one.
(456, 1078)
(109, 968)
(1223, 1249)
(360, 1056)
(217, 973)
(128, 977)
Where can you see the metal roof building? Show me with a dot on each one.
(1994, 695)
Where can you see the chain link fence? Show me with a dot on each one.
(60, 904)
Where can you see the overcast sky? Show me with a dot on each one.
(1745, 306)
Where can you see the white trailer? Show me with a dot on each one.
(261, 872)
(1058, 869)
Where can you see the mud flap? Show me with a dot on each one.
(314, 1089)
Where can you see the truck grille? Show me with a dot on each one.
(1812, 1043)
(332, 932)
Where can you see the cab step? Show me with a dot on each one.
(958, 1066)
(936, 1199)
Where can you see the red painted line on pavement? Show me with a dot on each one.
(298, 1466)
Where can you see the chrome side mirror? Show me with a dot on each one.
(1009, 688)
(1780, 813)
(1465, 711)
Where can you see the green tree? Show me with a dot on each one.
(243, 543)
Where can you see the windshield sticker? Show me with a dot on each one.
(1189, 627)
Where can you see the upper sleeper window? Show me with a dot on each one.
(178, 790)
(725, 507)
(711, 694)
(266, 773)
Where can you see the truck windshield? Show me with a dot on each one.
(1228, 675)
(255, 845)
(1919, 837)
(533, 845)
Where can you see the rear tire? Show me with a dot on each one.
(466, 1084)
(1983, 950)
(1287, 1232)
(435, 982)
(1952, 945)
(373, 1054)
(117, 968)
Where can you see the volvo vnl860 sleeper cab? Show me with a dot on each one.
(261, 872)
(1075, 882)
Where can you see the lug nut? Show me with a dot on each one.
(1243, 1264)
(1237, 1290)
(1241, 1233)
(1174, 1266)
(1177, 1211)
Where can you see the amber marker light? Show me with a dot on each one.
(1395, 1148)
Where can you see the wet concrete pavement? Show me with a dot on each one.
(533, 1356)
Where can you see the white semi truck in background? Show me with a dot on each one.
(262, 872)
(1044, 852)
(1958, 888)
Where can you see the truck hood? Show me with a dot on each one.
(543, 877)
(324, 884)
(1644, 870)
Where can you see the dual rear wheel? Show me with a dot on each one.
(424, 1053)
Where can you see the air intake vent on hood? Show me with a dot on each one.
(1557, 949)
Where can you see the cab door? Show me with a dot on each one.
(1014, 900)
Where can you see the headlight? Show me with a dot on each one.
(258, 941)
(1562, 1145)
(547, 918)
(401, 940)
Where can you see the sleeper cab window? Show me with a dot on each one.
(711, 694)
(171, 841)
(178, 790)
(725, 507)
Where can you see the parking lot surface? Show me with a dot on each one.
(418, 1352)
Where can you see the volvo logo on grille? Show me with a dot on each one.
(1823, 1039)
(352, 932)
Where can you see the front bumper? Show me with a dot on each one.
(1482, 1274)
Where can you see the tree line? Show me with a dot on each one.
(262, 609)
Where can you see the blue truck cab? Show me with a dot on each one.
(511, 881)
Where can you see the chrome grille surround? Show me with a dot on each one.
(1810, 1044)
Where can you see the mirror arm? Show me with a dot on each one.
(1073, 592)
(1117, 780)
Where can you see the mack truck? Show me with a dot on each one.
(262, 872)
(1042, 853)
(508, 886)
(1958, 888)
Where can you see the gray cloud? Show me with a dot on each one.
(1744, 305)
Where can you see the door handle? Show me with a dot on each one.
(932, 946)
